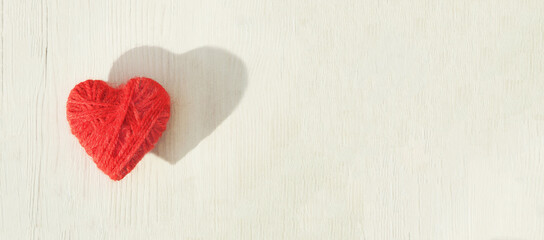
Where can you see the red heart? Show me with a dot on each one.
(118, 126)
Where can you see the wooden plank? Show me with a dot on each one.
(24, 148)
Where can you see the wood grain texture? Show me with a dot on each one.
(353, 119)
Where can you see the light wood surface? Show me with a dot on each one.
(355, 119)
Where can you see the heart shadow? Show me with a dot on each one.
(205, 86)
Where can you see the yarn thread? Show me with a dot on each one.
(118, 126)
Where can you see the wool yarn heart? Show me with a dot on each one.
(118, 126)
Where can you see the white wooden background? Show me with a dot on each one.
(355, 119)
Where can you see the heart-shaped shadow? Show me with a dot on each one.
(205, 85)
